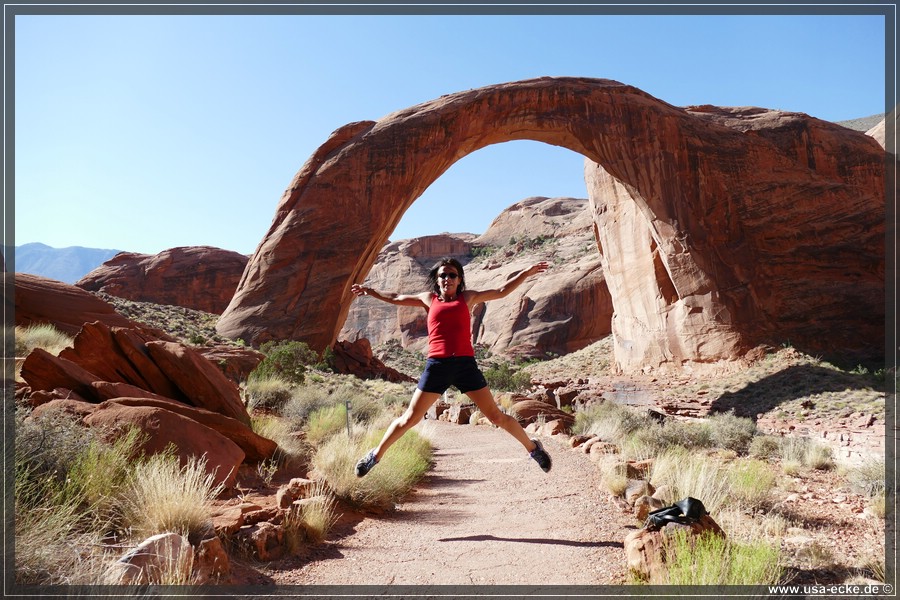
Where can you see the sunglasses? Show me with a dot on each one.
(447, 275)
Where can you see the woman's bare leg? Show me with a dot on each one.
(484, 400)
(415, 412)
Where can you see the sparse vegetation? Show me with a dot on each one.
(504, 377)
(711, 560)
(164, 496)
(44, 336)
(286, 360)
(270, 392)
(401, 467)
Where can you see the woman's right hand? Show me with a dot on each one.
(359, 290)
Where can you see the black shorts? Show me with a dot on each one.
(459, 371)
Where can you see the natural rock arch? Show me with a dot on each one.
(679, 167)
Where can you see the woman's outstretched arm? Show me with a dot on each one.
(391, 297)
(473, 297)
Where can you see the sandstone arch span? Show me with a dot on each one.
(705, 187)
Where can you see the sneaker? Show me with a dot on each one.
(366, 463)
(541, 457)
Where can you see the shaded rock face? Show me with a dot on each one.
(563, 310)
(762, 223)
(778, 237)
(196, 277)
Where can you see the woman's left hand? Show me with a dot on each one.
(538, 268)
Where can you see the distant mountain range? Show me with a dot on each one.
(62, 264)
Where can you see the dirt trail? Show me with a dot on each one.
(486, 515)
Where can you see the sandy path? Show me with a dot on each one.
(485, 515)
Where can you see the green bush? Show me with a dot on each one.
(507, 379)
(732, 432)
(710, 560)
(285, 359)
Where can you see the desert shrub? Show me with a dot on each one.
(801, 451)
(165, 496)
(765, 447)
(505, 378)
(731, 432)
(610, 421)
(286, 359)
(868, 478)
(305, 400)
(292, 448)
(49, 445)
(692, 474)
(751, 482)
(712, 560)
(43, 335)
(100, 473)
(66, 482)
(394, 476)
(52, 546)
(269, 392)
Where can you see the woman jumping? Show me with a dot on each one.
(451, 356)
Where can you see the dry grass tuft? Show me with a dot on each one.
(165, 497)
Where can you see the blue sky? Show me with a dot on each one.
(143, 133)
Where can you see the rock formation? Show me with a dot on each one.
(39, 300)
(197, 277)
(119, 373)
(778, 237)
(758, 226)
(564, 310)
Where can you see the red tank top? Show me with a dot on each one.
(449, 328)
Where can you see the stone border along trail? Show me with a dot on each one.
(485, 514)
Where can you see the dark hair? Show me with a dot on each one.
(446, 262)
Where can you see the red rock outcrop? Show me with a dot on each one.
(777, 237)
(197, 277)
(772, 227)
(564, 310)
(40, 300)
(356, 358)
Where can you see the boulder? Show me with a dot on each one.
(295, 489)
(263, 541)
(255, 447)
(161, 558)
(718, 229)
(66, 307)
(460, 414)
(636, 488)
(529, 411)
(356, 358)
(198, 379)
(196, 277)
(235, 363)
(645, 549)
(211, 562)
(119, 355)
(165, 429)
